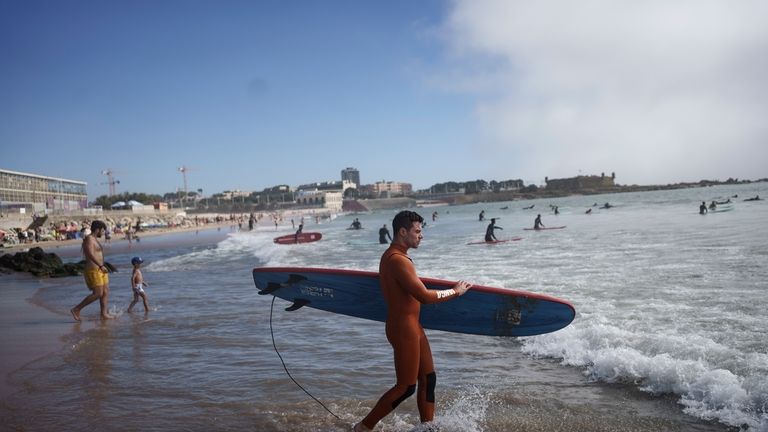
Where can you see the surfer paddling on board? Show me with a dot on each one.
(404, 293)
(537, 223)
(489, 235)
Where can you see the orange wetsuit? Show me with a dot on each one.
(404, 293)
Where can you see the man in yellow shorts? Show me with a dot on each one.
(96, 273)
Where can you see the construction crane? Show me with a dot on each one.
(183, 170)
(110, 180)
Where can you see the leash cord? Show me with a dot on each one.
(286, 368)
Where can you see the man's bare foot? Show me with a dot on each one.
(75, 314)
(106, 317)
(360, 427)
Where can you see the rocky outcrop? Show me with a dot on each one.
(41, 264)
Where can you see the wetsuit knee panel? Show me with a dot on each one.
(408, 392)
(431, 383)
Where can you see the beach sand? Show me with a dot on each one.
(29, 332)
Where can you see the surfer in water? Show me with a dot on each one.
(356, 224)
(298, 232)
(383, 234)
(537, 223)
(703, 208)
(404, 294)
(489, 236)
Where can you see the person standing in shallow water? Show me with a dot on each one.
(404, 293)
(384, 234)
(96, 273)
(138, 284)
(489, 235)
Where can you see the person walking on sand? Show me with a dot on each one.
(404, 293)
(138, 284)
(537, 223)
(489, 235)
(95, 273)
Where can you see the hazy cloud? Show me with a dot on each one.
(655, 90)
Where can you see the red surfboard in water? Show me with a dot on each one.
(306, 237)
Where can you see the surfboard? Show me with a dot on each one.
(482, 310)
(545, 228)
(305, 237)
(496, 241)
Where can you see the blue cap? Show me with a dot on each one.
(136, 260)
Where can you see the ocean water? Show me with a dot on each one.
(670, 332)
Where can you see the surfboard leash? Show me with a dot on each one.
(271, 332)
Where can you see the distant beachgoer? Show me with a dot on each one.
(96, 273)
(557, 210)
(529, 207)
(606, 206)
(138, 284)
(356, 224)
(589, 211)
(756, 198)
(537, 223)
(703, 208)
(481, 217)
(489, 235)
(384, 234)
(434, 216)
(404, 293)
(713, 206)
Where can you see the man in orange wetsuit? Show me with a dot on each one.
(404, 293)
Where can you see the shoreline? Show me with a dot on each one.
(30, 332)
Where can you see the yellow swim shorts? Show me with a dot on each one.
(95, 278)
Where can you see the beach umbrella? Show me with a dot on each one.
(134, 203)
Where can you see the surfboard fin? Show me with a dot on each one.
(297, 304)
(273, 286)
(294, 278)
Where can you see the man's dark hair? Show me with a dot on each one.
(98, 224)
(405, 219)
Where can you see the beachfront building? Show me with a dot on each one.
(582, 183)
(33, 193)
(326, 199)
(388, 189)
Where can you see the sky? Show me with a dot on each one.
(251, 94)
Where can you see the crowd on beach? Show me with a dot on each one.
(40, 230)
